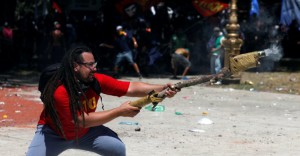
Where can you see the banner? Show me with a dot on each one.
(209, 7)
(290, 10)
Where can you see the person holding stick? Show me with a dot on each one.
(69, 119)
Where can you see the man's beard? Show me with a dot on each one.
(88, 80)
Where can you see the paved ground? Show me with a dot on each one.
(200, 120)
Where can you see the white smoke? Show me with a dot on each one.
(274, 52)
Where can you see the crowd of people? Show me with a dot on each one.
(36, 43)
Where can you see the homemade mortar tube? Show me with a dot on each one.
(245, 61)
(155, 97)
(237, 64)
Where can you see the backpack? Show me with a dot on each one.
(49, 71)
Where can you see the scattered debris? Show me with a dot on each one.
(137, 129)
(158, 108)
(178, 113)
(128, 123)
(186, 97)
(205, 121)
(204, 113)
(17, 111)
(197, 130)
(249, 82)
(252, 89)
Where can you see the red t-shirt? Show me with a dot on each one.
(109, 86)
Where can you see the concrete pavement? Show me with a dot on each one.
(199, 121)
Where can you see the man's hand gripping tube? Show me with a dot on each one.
(153, 97)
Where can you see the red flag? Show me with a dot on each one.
(56, 7)
(209, 7)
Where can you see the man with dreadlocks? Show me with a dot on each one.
(70, 120)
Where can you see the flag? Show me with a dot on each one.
(254, 8)
(56, 7)
(209, 7)
(290, 10)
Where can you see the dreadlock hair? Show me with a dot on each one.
(66, 76)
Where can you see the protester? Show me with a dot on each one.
(216, 50)
(70, 120)
(7, 32)
(124, 51)
(181, 58)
